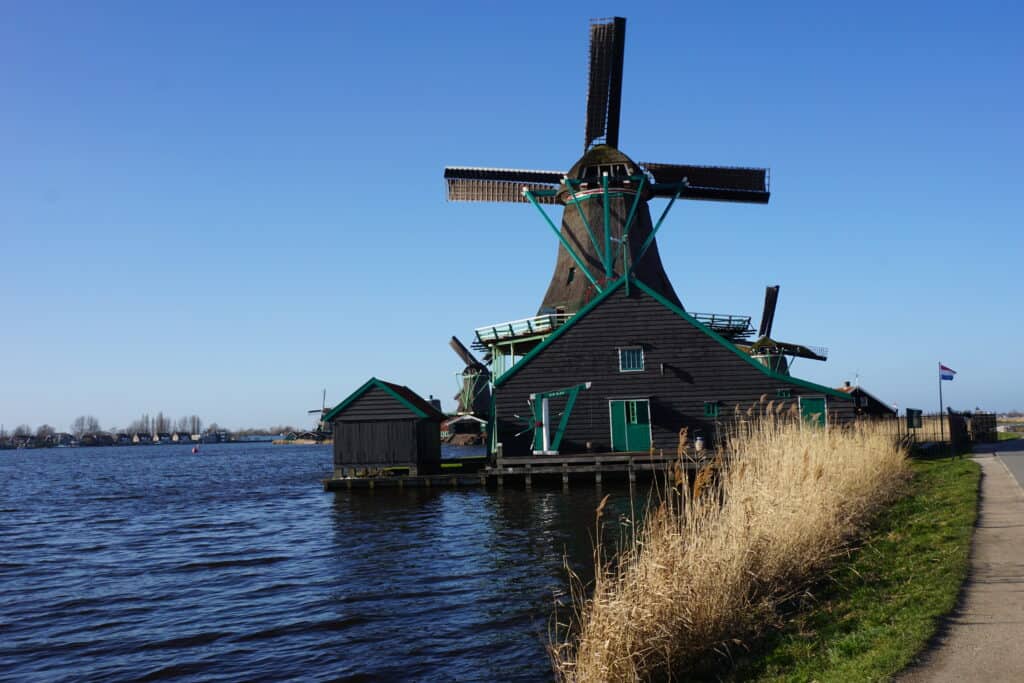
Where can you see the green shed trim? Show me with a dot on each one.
(370, 384)
(685, 316)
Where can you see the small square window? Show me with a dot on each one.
(631, 359)
(783, 393)
(710, 408)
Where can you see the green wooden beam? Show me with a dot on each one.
(529, 194)
(586, 223)
(607, 231)
(650, 238)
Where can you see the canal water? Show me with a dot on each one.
(150, 563)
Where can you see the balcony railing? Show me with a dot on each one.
(525, 327)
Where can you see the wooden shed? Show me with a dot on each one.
(384, 425)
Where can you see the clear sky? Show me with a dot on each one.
(222, 208)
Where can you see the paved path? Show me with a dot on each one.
(981, 640)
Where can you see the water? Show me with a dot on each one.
(149, 563)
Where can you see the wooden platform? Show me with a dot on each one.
(592, 469)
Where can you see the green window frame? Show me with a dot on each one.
(784, 393)
(710, 408)
(631, 359)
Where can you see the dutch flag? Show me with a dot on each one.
(946, 373)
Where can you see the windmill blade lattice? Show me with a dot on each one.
(498, 184)
(718, 183)
(604, 91)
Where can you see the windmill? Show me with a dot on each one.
(773, 353)
(474, 397)
(322, 427)
(606, 228)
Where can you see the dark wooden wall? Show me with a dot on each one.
(683, 368)
(376, 430)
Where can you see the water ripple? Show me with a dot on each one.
(153, 564)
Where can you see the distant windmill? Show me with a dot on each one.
(321, 412)
(606, 227)
(771, 352)
(474, 397)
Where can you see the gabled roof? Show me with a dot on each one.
(416, 404)
(682, 314)
(856, 387)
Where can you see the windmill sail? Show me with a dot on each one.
(604, 92)
(771, 298)
(718, 183)
(467, 184)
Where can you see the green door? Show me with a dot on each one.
(631, 425)
(812, 409)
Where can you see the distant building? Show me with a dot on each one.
(867, 404)
(142, 438)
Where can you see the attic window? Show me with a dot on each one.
(710, 408)
(572, 275)
(631, 359)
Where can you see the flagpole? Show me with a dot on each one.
(942, 416)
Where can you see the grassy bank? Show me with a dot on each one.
(877, 610)
(711, 570)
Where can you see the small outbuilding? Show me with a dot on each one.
(382, 425)
(867, 404)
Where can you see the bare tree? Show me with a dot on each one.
(84, 424)
(23, 430)
(44, 432)
(195, 425)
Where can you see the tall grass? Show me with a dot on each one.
(708, 568)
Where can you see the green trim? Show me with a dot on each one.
(530, 195)
(583, 217)
(710, 408)
(370, 384)
(682, 314)
(559, 332)
(607, 230)
(613, 195)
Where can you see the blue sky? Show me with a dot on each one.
(221, 208)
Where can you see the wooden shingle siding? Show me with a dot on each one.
(375, 404)
(683, 368)
(375, 444)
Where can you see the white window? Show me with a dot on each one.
(631, 359)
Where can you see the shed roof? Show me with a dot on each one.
(682, 314)
(416, 404)
(856, 387)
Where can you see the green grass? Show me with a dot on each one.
(880, 607)
(1008, 436)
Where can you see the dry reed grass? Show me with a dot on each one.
(708, 568)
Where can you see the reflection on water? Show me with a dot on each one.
(123, 564)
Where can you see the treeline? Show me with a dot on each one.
(145, 424)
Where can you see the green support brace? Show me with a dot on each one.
(586, 223)
(629, 219)
(529, 194)
(607, 231)
(650, 238)
(539, 411)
